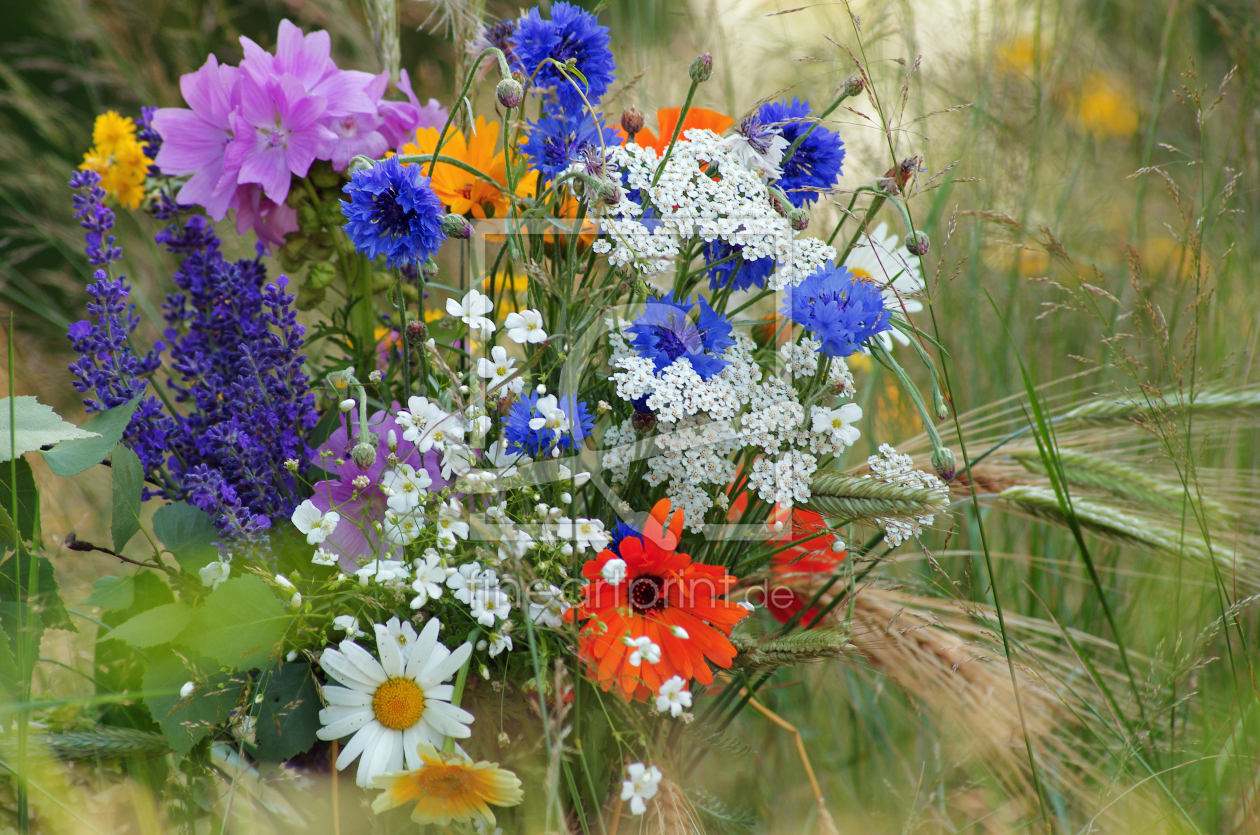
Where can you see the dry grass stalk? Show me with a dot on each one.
(668, 813)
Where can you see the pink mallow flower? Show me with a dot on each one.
(399, 119)
(308, 58)
(356, 539)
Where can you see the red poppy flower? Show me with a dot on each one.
(667, 119)
(811, 556)
(656, 593)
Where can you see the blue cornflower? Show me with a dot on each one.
(556, 141)
(536, 425)
(665, 333)
(749, 274)
(816, 164)
(573, 33)
(619, 532)
(840, 310)
(394, 212)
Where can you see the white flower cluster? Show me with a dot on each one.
(800, 359)
(892, 467)
(690, 201)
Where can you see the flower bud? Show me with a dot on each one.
(376, 376)
(457, 226)
(918, 243)
(320, 275)
(798, 218)
(364, 454)
(292, 464)
(429, 270)
(510, 92)
(643, 422)
(943, 463)
(631, 121)
(416, 331)
(347, 404)
(360, 162)
(701, 69)
(853, 86)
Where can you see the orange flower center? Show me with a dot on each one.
(398, 703)
(442, 780)
(647, 594)
(860, 273)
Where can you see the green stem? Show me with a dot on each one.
(682, 117)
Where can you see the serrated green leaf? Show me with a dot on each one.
(74, 456)
(156, 626)
(34, 425)
(15, 585)
(112, 593)
(288, 715)
(185, 721)
(189, 533)
(240, 625)
(128, 482)
(27, 497)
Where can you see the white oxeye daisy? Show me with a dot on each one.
(673, 697)
(394, 704)
(317, 526)
(878, 257)
(640, 786)
(526, 326)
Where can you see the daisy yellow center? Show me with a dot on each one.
(860, 273)
(398, 703)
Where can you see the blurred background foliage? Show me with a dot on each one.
(1090, 134)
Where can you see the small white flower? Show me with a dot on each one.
(502, 639)
(468, 579)
(644, 650)
(451, 523)
(376, 376)
(406, 485)
(472, 311)
(674, 698)
(322, 557)
(496, 369)
(547, 607)
(506, 460)
(641, 785)
(317, 526)
(187, 689)
(488, 604)
(838, 423)
(583, 533)
(679, 633)
(361, 481)
(389, 573)
(526, 326)
(614, 571)
(348, 624)
(550, 416)
(215, 573)
(401, 528)
(430, 575)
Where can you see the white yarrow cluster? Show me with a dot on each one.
(892, 467)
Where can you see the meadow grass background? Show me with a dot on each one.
(1039, 115)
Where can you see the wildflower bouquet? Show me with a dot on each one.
(547, 413)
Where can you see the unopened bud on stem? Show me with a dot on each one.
(456, 226)
(510, 92)
(631, 122)
(918, 243)
(943, 463)
(701, 69)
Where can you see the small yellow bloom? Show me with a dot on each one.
(448, 788)
(119, 158)
(113, 131)
(1016, 57)
(1105, 109)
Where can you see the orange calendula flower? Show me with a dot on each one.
(652, 614)
(448, 787)
(667, 119)
(119, 158)
(461, 191)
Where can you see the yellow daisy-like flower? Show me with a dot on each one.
(448, 787)
(119, 158)
(464, 193)
(1105, 109)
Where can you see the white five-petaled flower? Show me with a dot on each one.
(644, 650)
(496, 369)
(400, 528)
(547, 606)
(468, 579)
(390, 573)
(550, 416)
(526, 326)
(487, 604)
(348, 624)
(430, 575)
(502, 639)
(674, 697)
(838, 423)
(641, 785)
(583, 534)
(451, 523)
(406, 485)
(394, 704)
(322, 557)
(472, 311)
(215, 573)
(614, 571)
(317, 526)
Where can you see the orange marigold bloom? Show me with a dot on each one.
(660, 595)
(463, 192)
(667, 119)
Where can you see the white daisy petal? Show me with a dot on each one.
(341, 669)
(442, 692)
(355, 746)
(423, 648)
(412, 737)
(449, 720)
(363, 661)
(345, 725)
(447, 668)
(391, 654)
(346, 696)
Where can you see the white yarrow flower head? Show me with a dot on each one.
(215, 573)
(614, 571)
(497, 368)
(643, 650)
(674, 697)
(393, 702)
(526, 326)
(430, 578)
(838, 423)
(641, 784)
(472, 311)
(316, 524)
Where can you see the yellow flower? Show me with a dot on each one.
(433, 314)
(1105, 109)
(118, 158)
(448, 787)
(462, 192)
(1016, 57)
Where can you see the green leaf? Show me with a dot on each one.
(27, 497)
(10, 678)
(15, 575)
(74, 456)
(112, 593)
(34, 425)
(156, 626)
(187, 721)
(189, 533)
(288, 715)
(240, 625)
(128, 482)
(118, 667)
(23, 641)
